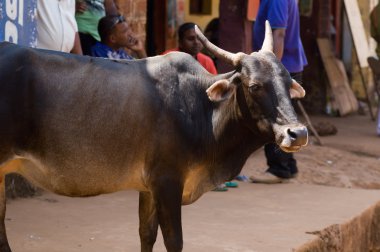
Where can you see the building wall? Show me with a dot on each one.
(135, 13)
(201, 20)
(235, 30)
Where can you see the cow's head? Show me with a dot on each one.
(263, 89)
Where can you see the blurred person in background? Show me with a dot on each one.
(375, 34)
(88, 13)
(284, 19)
(212, 33)
(188, 42)
(56, 26)
(115, 35)
(375, 27)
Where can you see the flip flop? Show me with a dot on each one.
(231, 184)
(242, 178)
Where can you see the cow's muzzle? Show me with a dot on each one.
(291, 138)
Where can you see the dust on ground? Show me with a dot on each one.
(349, 159)
(238, 220)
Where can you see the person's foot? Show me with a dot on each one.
(267, 178)
(220, 188)
(242, 178)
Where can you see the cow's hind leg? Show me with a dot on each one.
(148, 221)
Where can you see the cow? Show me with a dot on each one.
(82, 126)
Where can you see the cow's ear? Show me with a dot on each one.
(296, 90)
(220, 90)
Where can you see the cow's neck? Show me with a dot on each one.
(214, 131)
(236, 137)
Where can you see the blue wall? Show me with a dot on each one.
(18, 21)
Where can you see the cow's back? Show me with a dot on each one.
(86, 123)
(84, 126)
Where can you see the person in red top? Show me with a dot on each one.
(188, 42)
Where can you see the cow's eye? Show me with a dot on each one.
(254, 87)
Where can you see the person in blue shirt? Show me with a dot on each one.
(115, 35)
(283, 17)
(87, 14)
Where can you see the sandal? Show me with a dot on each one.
(231, 184)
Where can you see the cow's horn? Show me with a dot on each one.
(268, 40)
(231, 58)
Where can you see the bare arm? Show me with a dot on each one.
(77, 48)
(110, 7)
(278, 42)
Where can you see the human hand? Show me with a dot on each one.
(80, 6)
(136, 45)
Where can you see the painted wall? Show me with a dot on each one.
(201, 20)
(18, 22)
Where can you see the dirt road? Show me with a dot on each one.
(349, 159)
(249, 218)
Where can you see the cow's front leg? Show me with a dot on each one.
(4, 246)
(148, 221)
(168, 197)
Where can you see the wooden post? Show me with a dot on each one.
(360, 42)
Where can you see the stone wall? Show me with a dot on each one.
(135, 13)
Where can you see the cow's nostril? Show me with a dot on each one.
(292, 134)
(297, 135)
